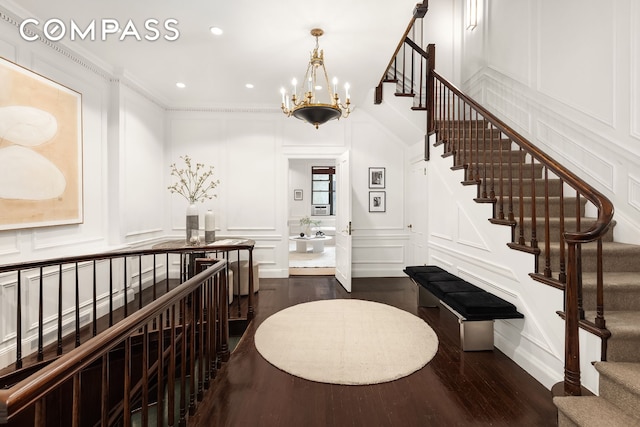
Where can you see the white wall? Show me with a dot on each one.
(251, 153)
(123, 174)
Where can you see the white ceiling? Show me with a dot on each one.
(266, 43)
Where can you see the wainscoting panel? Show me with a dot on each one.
(507, 108)
(567, 61)
(506, 17)
(635, 69)
(574, 147)
(251, 173)
(634, 192)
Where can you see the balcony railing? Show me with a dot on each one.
(101, 338)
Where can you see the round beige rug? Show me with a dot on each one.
(346, 341)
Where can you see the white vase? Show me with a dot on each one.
(209, 227)
(193, 226)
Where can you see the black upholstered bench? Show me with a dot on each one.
(475, 308)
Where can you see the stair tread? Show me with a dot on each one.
(621, 323)
(593, 411)
(625, 373)
(608, 248)
(617, 279)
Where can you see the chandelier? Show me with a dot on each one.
(312, 106)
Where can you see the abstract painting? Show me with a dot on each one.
(40, 150)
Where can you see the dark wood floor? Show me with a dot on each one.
(455, 389)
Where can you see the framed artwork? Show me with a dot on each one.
(297, 194)
(377, 201)
(376, 177)
(40, 150)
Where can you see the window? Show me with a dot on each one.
(323, 190)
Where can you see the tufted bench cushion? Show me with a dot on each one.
(480, 306)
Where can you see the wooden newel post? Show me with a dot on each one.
(431, 87)
(572, 341)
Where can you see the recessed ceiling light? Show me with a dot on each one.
(181, 85)
(216, 31)
(249, 86)
(318, 87)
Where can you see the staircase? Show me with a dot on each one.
(545, 205)
(618, 403)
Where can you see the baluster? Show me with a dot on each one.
(155, 278)
(476, 176)
(95, 301)
(59, 345)
(145, 375)
(600, 321)
(413, 75)
(521, 195)
(201, 339)
(77, 306)
(534, 231)
(193, 297)
(167, 273)
(75, 409)
(139, 282)
(104, 395)
(421, 59)
(126, 395)
(510, 169)
(404, 62)
(160, 374)
(486, 161)
(562, 277)
(183, 364)
(110, 292)
(500, 178)
(458, 140)
(40, 315)
(171, 374)
(40, 415)
(572, 344)
(238, 281)
(547, 226)
(579, 258)
(223, 348)
(19, 320)
(124, 288)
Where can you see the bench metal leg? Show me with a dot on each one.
(426, 298)
(476, 335)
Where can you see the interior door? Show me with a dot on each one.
(417, 213)
(343, 221)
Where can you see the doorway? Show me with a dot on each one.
(311, 213)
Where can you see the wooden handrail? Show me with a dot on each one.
(36, 386)
(418, 12)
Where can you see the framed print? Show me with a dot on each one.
(376, 178)
(40, 151)
(297, 194)
(377, 201)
